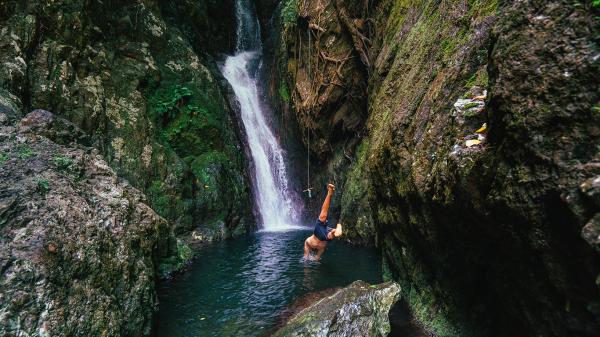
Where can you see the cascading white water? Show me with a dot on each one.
(270, 179)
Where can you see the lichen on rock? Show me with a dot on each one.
(359, 309)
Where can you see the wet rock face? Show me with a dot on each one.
(78, 245)
(125, 72)
(484, 205)
(357, 310)
(209, 25)
(495, 230)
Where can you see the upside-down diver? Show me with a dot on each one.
(322, 234)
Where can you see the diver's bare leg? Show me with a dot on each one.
(326, 202)
(306, 250)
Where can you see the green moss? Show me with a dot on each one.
(168, 266)
(203, 167)
(480, 78)
(159, 198)
(284, 92)
(448, 46)
(184, 252)
(472, 113)
(471, 105)
(426, 310)
(387, 272)
(482, 8)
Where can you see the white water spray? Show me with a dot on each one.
(270, 178)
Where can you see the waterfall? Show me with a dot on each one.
(270, 180)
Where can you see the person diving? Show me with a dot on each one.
(322, 233)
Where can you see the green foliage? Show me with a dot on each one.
(188, 120)
(289, 12)
(596, 8)
(62, 163)
(43, 185)
(172, 264)
(166, 106)
(481, 8)
(3, 158)
(24, 151)
(203, 167)
(158, 198)
(448, 47)
(480, 78)
(184, 252)
(284, 92)
(470, 105)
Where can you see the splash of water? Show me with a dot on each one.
(270, 178)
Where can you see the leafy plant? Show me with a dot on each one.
(289, 12)
(284, 92)
(596, 8)
(62, 163)
(24, 152)
(43, 185)
(167, 106)
(3, 158)
(159, 199)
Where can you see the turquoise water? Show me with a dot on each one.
(239, 287)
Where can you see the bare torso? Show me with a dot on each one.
(313, 243)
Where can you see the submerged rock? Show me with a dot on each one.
(360, 309)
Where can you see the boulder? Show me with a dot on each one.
(360, 309)
(78, 245)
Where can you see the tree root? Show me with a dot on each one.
(360, 42)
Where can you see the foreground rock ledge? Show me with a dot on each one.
(360, 309)
(77, 243)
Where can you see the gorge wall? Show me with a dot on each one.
(491, 229)
(135, 120)
(127, 74)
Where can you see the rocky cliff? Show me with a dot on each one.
(140, 123)
(464, 139)
(126, 73)
(78, 245)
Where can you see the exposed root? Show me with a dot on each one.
(360, 42)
